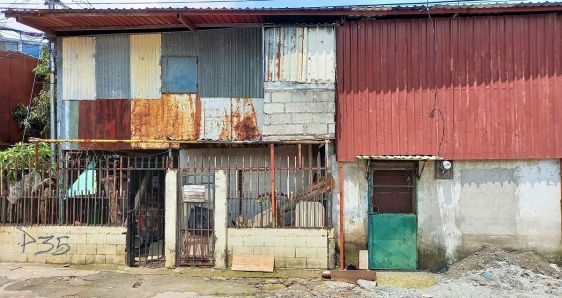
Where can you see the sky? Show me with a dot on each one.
(31, 4)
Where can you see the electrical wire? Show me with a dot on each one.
(436, 83)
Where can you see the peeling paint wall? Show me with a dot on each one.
(145, 66)
(512, 204)
(78, 70)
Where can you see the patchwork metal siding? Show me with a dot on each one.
(112, 66)
(78, 70)
(179, 44)
(230, 63)
(105, 119)
(498, 87)
(145, 66)
(300, 54)
(228, 119)
(179, 74)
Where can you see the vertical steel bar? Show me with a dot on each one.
(273, 205)
(342, 238)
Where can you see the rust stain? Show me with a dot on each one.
(278, 59)
(244, 122)
(175, 116)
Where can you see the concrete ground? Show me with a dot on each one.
(40, 280)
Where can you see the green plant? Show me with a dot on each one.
(22, 155)
(34, 120)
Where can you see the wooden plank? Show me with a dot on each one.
(254, 263)
(350, 276)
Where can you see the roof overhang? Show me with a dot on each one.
(61, 21)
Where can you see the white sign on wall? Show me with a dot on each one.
(195, 193)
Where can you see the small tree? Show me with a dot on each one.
(35, 119)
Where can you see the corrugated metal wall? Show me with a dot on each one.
(16, 87)
(112, 66)
(498, 82)
(300, 54)
(145, 66)
(78, 70)
(227, 65)
(232, 57)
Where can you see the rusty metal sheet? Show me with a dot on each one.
(300, 54)
(175, 116)
(145, 66)
(227, 119)
(112, 66)
(497, 80)
(78, 70)
(16, 81)
(108, 119)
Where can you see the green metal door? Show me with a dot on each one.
(392, 240)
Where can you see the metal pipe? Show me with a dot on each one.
(272, 158)
(52, 116)
(153, 141)
(342, 258)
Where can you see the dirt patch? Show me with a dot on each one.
(491, 256)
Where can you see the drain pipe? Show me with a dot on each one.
(52, 116)
(342, 258)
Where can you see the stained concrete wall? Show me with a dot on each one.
(294, 111)
(292, 248)
(512, 204)
(63, 244)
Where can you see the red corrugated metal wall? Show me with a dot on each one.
(16, 80)
(498, 82)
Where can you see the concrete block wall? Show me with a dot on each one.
(299, 111)
(63, 244)
(292, 248)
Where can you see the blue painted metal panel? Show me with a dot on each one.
(179, 74)
(112, 66)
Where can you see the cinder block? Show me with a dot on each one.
(363, 259)
(331, 128)
(283, 118)
(60, 259)
(264, 250)
(308, 252)
(106, 249)
(116, 239)
(303, 118)
(75, 239)
(316, 128)
(115, 259)
(120, 249)
(76, 259)
(325, 96)
(320, 242)
(96, 239)
(242, 250)
(295, 263)
(283, 251)
(90, 259)
(297, 107)
(316, 263)
(281, 96)
(295, 241)
(99, 259)
(280, 262)
(86, 249)
(273, 108)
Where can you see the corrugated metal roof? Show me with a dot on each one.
(484, 88)
(62, 20)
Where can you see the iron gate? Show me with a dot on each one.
(196, 203)
(145, 222)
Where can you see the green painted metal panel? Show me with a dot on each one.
(393, 241)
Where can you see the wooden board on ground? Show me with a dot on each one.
(255, 263)
(351, 276)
